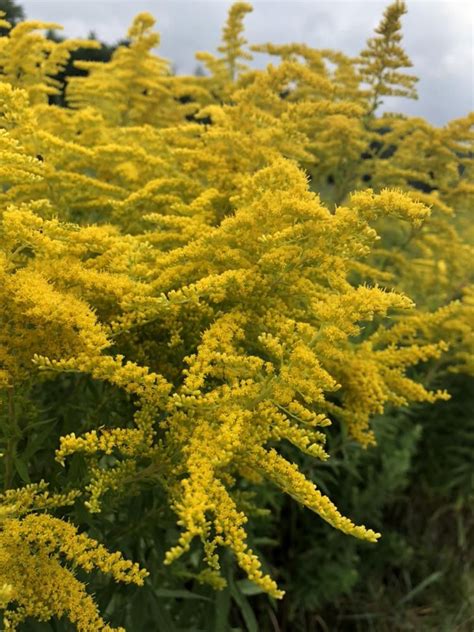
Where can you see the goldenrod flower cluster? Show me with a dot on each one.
(38, 558)
(209, 247)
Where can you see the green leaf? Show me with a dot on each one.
(244, 606)
(421, 586)
(163, 620)
(178, 594)
(249, 588)
(222, 611)
(22, 469)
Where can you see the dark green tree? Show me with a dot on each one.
(102, 54)
(14, 13)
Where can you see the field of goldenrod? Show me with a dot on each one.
(224, 298)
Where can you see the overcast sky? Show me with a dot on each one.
(438, 36)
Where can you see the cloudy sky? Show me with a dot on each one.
(438, 35)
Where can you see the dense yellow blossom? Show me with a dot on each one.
(37, 581)
(38, 555)
(246, 257)
(30, 61)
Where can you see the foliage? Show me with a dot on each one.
(13, 12)
(102, 53)
(201, 302)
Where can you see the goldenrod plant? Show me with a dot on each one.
(239, 260)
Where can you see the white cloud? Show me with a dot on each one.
(438, 35)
